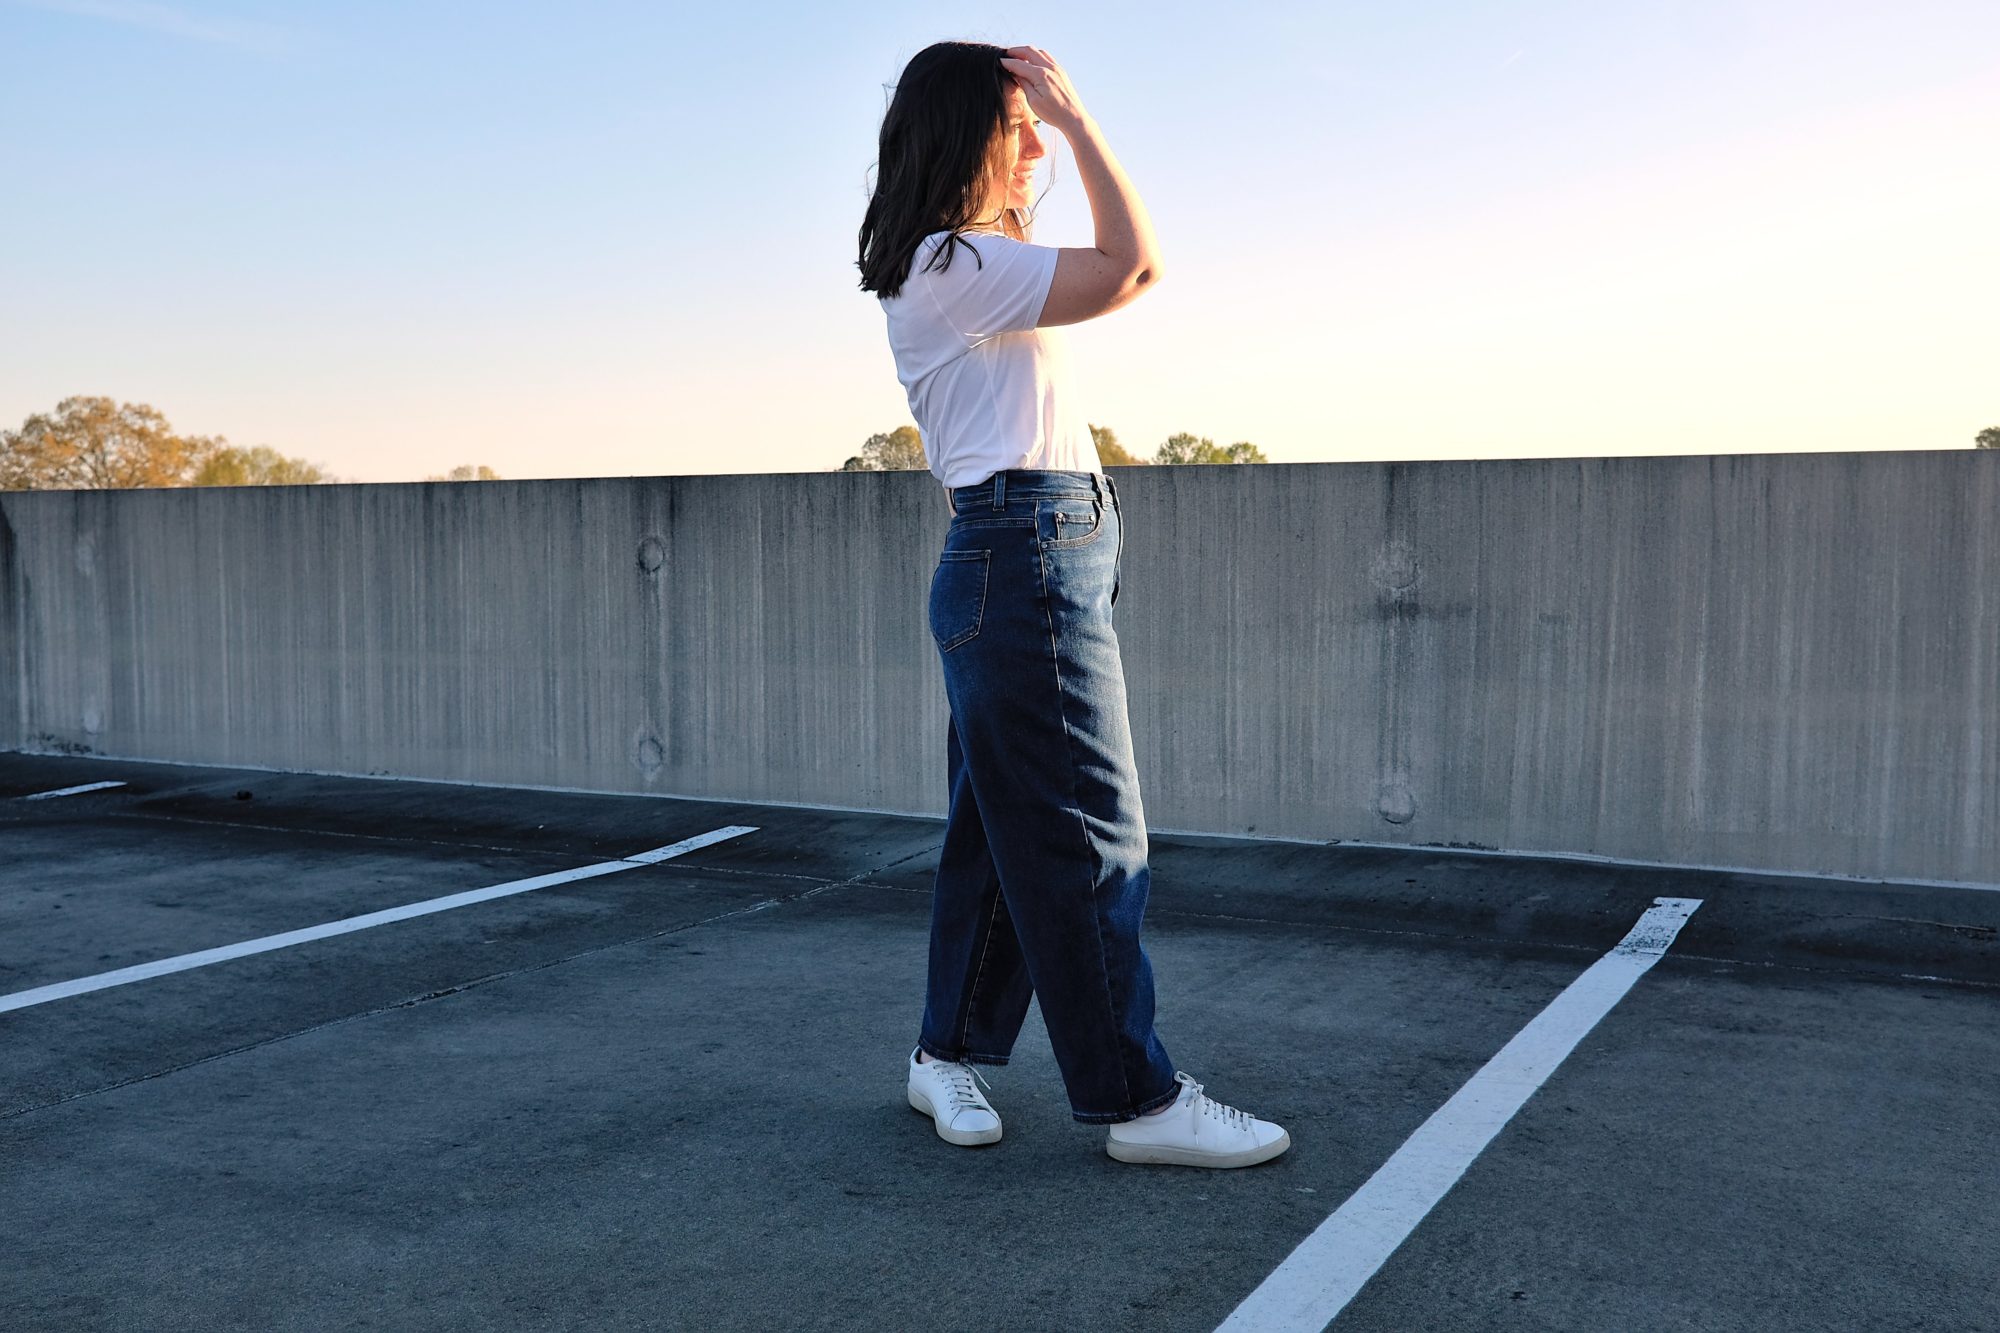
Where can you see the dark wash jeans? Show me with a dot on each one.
(1043, 877)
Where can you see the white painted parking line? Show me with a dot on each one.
(71, 791)
(1319, 1278)
(182, 962)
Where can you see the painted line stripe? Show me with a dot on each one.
(71, 791)
(1319, 1278)
(183, 962)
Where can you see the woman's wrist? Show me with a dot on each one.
(1082, 126)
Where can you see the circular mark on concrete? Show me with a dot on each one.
(652, 554)
(1396, 803)
(86, 554)
(93, 719)
(649, 756)
(1394, 566)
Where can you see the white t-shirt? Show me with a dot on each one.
(989, 390)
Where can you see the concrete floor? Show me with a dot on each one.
(672, 1097)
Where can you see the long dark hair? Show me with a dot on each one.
(940, 150)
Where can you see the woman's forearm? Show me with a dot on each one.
(1124, 231)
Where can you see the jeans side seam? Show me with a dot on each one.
(1118, 556)
(1069, 742)
(972, 991)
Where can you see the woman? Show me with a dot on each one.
(1042, 880)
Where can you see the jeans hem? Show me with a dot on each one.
(1120, 1117)
(963, 1057)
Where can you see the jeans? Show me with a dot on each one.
(1042, 880)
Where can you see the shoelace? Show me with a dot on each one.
(1228, 1115)
(958, 1077)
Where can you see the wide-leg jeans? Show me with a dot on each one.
(1042, 882)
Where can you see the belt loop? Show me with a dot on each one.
(1000, 490)
(951, 498)
(1097, 480)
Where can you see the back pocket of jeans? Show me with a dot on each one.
(958, 597)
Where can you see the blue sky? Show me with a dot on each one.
(612, 239)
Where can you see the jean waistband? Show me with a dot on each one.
(1030, 484)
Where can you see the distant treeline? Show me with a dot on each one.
(902, 450)
(98, 444)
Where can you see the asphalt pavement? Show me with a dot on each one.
(283, 1051)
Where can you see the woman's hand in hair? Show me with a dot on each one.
(1047, 87)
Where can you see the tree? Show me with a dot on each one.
(96, 444)
(1987, 439)
(467, 472)
(260, 465)
(1185, 448)
(1110, 453)
(901, 450)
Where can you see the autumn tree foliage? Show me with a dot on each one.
(91, 443)
(96, 444)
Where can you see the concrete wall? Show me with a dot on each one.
(1778, 661)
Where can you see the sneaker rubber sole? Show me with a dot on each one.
(1170, 1155)
(964, 1137)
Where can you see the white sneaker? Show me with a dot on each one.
(944, 1090)
(1198, 1131)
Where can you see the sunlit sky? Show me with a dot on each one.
(614, 239)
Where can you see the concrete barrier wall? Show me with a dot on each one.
(1781, 661)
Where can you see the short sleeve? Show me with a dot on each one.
(1003, 294)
